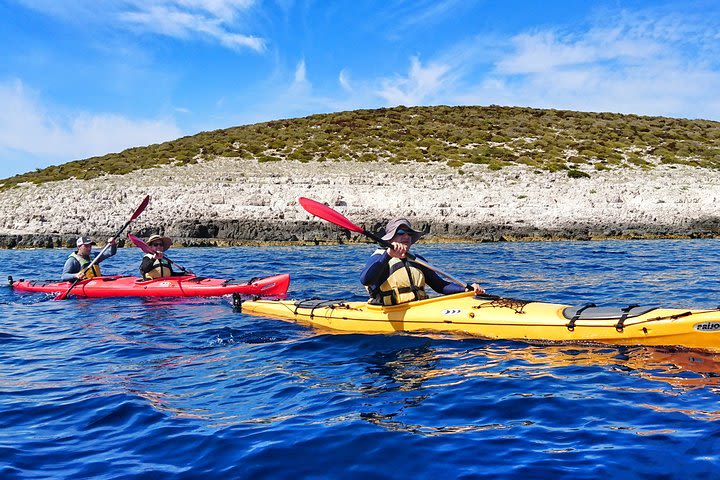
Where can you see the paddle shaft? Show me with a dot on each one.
(95, 260)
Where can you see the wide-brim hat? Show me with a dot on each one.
(154, 238)
(393, 226)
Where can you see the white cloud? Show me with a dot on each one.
(224, 9)
(300, 84)
(546, 51)
(634, 65)
(344, 80)
(421, 84)
(175, 19)
(424, 13)
(626, 64)
(542, 52)
(300, 73)
(215, 20)
(295, 97)
(401, 18)
(28, 128)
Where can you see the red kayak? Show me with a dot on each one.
(186, 286)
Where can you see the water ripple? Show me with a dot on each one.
(184, 388)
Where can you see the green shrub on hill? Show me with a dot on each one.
(550, 140)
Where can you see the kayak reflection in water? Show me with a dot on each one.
(81, 258)
(390, 278)
(155, 264)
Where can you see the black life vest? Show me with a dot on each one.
(161, 268)
(406, 283)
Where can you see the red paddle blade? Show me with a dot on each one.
(141, 208)
(326, 213)
(140, 244)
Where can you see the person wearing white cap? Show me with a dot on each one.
(390, 278)
(81, 258)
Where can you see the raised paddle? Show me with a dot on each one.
(326, 213)
(148, 249)
(137, 213)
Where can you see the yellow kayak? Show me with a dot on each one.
(503, 318)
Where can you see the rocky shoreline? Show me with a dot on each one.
(239, 202)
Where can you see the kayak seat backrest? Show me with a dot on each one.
(605, 313)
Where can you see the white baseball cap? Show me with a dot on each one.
(84, 241)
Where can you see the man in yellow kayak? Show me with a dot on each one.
(390, 278)
(81, 258)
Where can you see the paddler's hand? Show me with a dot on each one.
(475, 288)
(398, 250)
(80, 275)
(112, 241)
(159, 255)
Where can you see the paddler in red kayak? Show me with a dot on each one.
(155, 264)
(391, 279)
(81, 258)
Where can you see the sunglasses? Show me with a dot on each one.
(156, 244)
(402, 231)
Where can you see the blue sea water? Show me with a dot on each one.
(190, 388)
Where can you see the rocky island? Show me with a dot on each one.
(234, 196)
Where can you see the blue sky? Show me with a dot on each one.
(87, 77)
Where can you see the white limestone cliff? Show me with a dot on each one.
(472, 203)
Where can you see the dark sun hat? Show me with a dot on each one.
(393, 225)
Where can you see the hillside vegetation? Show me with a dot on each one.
(551, 140)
